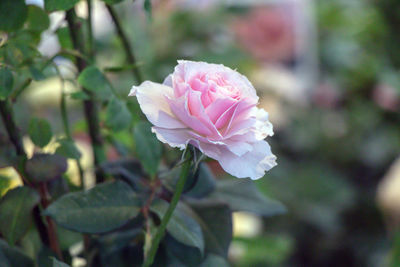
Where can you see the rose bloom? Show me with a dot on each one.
(267, 33)
(213, 108)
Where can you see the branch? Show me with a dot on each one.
(90, 107)
(125, 43)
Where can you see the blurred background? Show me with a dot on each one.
(327, 71)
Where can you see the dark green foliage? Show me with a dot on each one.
(54, 5)
(13, 14)
(37, 20)
(39, 132)
(242, 195)
(45, 167)
(6, 82)
(15, 212)
(93, 80)
(112, 2)
(7, 153)
(13, 257)
(118, 117)
(68, 149)
(214, 260)
(148, 148)
(57, 263)
(101, 209)
(182, 226)
(215, 220)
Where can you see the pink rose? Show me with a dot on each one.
(267, 33)
(213, 108)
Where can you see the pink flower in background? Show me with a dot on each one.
(386, 97)
(213, 108)
(267, 33)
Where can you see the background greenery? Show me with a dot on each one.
(335, 137)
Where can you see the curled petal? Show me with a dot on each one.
(151, 97)
(252, 164)
(262, 127)
(173, 137)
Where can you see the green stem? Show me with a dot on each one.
(64, 117)
(164, 222)
(125, 43)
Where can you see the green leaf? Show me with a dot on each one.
(44, 257)
(8, 156)
(5, 184)
(64, 38)
(112, 2)
(93, 80)
(198, 185)
(40, 132)
(14, 256)
(6, 82)
(215, 220)
(214, 260)
(128, 170)
(179, 254)
(181, 226)
(68, 149)
(13, 14)
(53, 5)
(36, 74)
(37, 20)
(80, 95)
(15, 212)
(57, 263)
(101, 209)
(148, 148)
(118, 117)
(201, 183)
(243, 195)
(45, 167)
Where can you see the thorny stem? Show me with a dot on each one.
(125, 43)
(47, 234)
(90, 107)
(167, 216)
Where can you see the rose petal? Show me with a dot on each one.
(216, 109)
(199, 121)
(151, 97)
(253, 164)
(173, 137)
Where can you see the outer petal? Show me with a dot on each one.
(253, 164)
(173, 137)
(263, 127)
(151, 97)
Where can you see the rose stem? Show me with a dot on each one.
(167, 216)
(46, 234)
(90, 106)
(125, 43)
